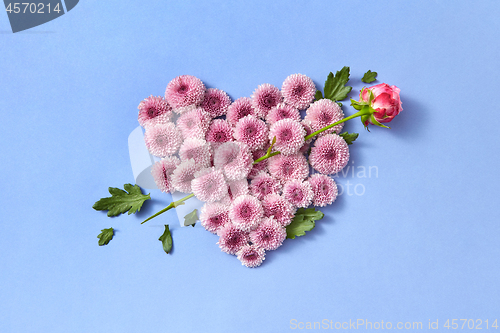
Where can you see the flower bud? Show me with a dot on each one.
(384, 100)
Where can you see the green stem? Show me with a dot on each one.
(266, 157)
(173, 204)
(362, 112)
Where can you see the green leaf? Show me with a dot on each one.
(335, 88)
(166, 240)
(120, 201)
(369, 77)
(318, 95)
(303, 221)
(191, 218)
(349, 137)
(105, 236)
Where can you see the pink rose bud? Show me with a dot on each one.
(385, 102)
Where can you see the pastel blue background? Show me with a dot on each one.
(422, 242)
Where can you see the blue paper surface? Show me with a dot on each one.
(417, 240)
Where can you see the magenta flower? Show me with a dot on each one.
(240, 108)
(246, 212)
(162, 139)
(185, 90)
(232, 239)
(323, 113)
(183, 175)
(214, 216)
(237, 188)
(288, 167)
(261, 166)
(289, 136)
(251, 255)
(269, 235)
(234, 159)
(154, 110)
(162, 173)
(251, 131)
(330, 154)
(264, 98)
(324, 189)
(282, 111)
(298, 90)
(298, 193)
(264, 184)
(218, 132)
(278, 207)
(386, 103)
(209, 185)
(216, 102)
(193, 124)
(196, 149)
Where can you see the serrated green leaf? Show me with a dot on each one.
(105, 236)
(349, 137)
(302, 222)
(335, 88)
(166, 240)
(318, 95)
(120, 201)
(369, 77)
(191, 218)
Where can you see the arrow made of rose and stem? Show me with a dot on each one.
(364, 111)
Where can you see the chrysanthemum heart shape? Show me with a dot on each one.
(208, 146)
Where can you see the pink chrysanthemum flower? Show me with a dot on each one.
(218, 132)
(240, 108)
(234, 159)
(162, 173)
(282, 111)
(209, 185)
(246, 212)
(261, 166)
(289, 136)
(196, 149)
(264, 98)
(232, 238)
(184, 90)
(214, 216)
(251, 256)
(324, 189)
(298, 193)
(216, 102)
(162, 139)
(251, 131)
(154, 110)
(183, 175)
(264, 184)
(237, 188)
(330, 154)
(298, 90)
(269, 235)
(193, 124)
(323, 113)
(278, 207)
(288, 167)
